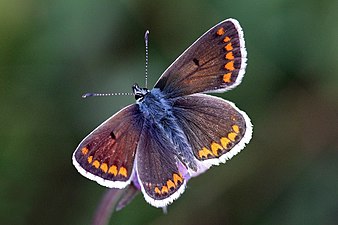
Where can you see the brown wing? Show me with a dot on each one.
(214, 63)
(158, 167)
(107, 154)
(215, 128)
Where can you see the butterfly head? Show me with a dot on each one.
(139, 92)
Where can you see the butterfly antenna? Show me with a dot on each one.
(104, 94)
(146, 37)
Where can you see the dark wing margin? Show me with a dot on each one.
(107, 154)
(215, 128)
(215, 62)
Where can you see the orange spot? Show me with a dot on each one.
(232, 136)
(177, 178)
(226, 39)
(229, 56)
(225, 141)
(113, 170)
(227, 77)
(230, 66)
(170, 184)
(204, 152)
(84, 151)
(228, 47)
(220, 31)
(235, 128)
(104, 167)
(123, 171)
(164, 190)
(215, 147)
(90, 159)
(96, 164)
(157, 190)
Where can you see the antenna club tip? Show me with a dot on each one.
(87, 95)
(146, 35)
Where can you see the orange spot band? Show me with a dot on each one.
(232, 136)
(177, 179)
(90, 159)
(225, 141)
(170, 184)
(164, 190)
(229, 56)
(220, 31)
(235, 128)
(113, 170)
(230, 66)
(227, 77)
(215, 147)
(104, 167)
(204, 152)
(157, 190)
(229, 47)
(96, 164)
(84, 151)
(226, 39)
(123, 171)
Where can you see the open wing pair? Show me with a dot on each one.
(160, 153)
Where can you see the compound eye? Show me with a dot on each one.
(138, 96)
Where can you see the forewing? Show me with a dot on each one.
(213, 63)
(107, 154)
(215, 128)
(157, 167)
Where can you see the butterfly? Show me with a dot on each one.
(174, 131)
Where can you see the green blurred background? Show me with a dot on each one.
(51, 52)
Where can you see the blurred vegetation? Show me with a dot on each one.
(51, 52)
